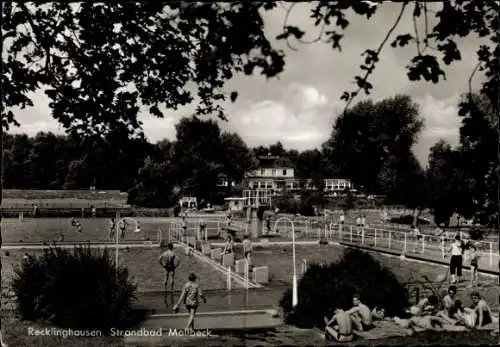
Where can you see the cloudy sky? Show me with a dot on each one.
(300, 107)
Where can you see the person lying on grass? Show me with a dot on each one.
(339, 327)
(360, 315)
(421, 323)
(191, 295)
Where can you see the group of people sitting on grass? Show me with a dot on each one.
(343, 325)
(432, 314)
(428, 314)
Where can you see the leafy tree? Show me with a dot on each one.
(403, 182)
(442, 180)
(237, 158)
(154, 186)
(367, 135)
(479, 134)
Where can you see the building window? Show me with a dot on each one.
(284, 172)
(274, 172)
(262, 171)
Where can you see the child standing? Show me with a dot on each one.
(474, 258)
(247, 249)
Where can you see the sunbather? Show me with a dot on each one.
(360, 314)
(342, 330)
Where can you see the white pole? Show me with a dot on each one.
(390, 237)
(229, 278)
(375, 232)
(117, 240)
(295, 298)
(404, 249)
(423, 244)
(363, 236)
(307, 221)
(351, 233)
(206, 233)
(247, 272)
(160, 236)
(491, 253)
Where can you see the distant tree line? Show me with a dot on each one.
(371, 144)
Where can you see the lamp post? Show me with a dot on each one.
(295, 297)
(117, 236)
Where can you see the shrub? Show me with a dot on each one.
(324, 287)
(78, 290)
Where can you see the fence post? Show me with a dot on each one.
(404, 246)
(159, 236)
(307, 222)
(442, 247)
(491, 253)
(229, 278)
(423, 244)
(363, 237)
(390, 238)
(375, 233)
(351, 233)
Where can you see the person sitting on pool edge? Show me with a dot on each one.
(342, 330)
(360, 314)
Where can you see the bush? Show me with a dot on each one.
(324, 287)
(78, 290)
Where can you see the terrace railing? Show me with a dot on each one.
(402, 241)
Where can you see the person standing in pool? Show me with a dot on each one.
(247, 249)
(76, 224)
(112, 227)
(123, 227)
(169, 261)
(191, 295)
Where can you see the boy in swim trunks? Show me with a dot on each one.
(482, 309)
(342, 330)
(474, 259)
(191, 295)
(169, 261)
(247, 249)
(360, 314)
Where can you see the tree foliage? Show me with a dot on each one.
(436, 46)
(102, 62)
(369, 136)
